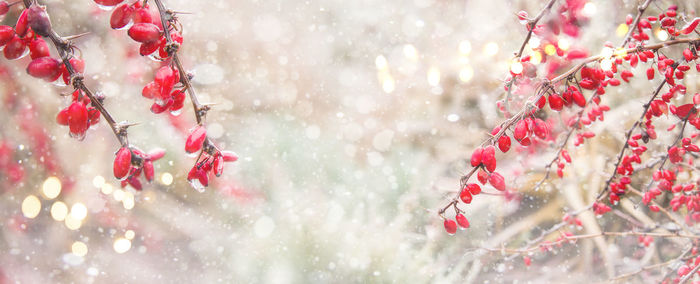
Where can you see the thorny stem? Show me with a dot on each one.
(166, 18)
(689, 275)
(564, 238)
(682, 256)
(629, 134)
(547, 86)
(666, 156)
(531, 24)
(632, 27)
(64, 51)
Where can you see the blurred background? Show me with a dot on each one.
(352, 120)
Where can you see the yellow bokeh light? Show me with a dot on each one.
(128, 200)
(410, 52)
(78, 211)
(59, 210)
(606, 64)
(465, 47)
(563, 44)
(79, 248)
(381, 62)
(661, 35)
(622, 30)
(388, 85)
(166, 179)
(491, 49)
(118, 195)
(550, 49)
(31, 206)
(620, 52)
(129, 234)
(466, 74)
(107, 188)
(589, 9)
(536, 58)
(516, 67)
(433, 76)
(98, 181)
(122, 245)
(607, 52)
(72, 223)
(51, 187)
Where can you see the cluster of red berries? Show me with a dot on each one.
(210, 160)
(79, 115)
(165, 90)
(130, 163)
(32, 25)
(451, 225)
(143, 23)
(161, 89)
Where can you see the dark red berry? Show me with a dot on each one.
(144, 32)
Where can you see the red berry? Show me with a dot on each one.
(15, 48)
(579, 99)
(218, 165)
(556, 103)
(77, 120)
(465, 196)
(202, 177)
(527, 260)
(22, 26)
(166, 77)
(178, 100)
(144, 32)
(476, 157)
(450, 226)
(150, 90)
(520, 130)
(229, 156)
(650, 73)
(109, 3)
(142, 15)
(462, 221)
(122, 163)
(44, 68)
(689, 28)
(39, 20)
(6, 34)
(62, 117)
(38, 48)
(93, 115)
(473, 188)
(4, 7)
(482, 176)
(488, 158)
(148, 48)
(148, 170)
(196, 139)
(156, 154)
(497, 181)
(504, 143)
(688, 54)
(121, 16)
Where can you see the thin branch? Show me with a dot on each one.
(166, 19)
(531, 24)
(628, 136)
(640, 12)
(564, 239)
(76, 79)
